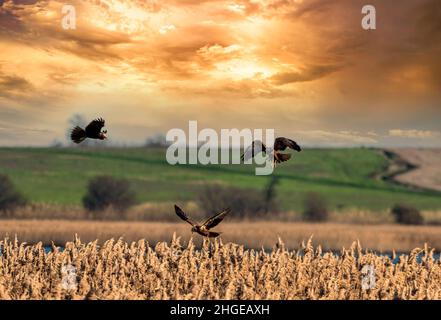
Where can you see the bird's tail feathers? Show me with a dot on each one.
(282, 157)
(78, 135)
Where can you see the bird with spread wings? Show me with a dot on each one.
(204, 228)
(280, 144)
(92, 131)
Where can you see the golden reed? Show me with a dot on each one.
(121, 270)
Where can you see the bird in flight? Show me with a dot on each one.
(280, 144)
(203, 229)
(92, 131)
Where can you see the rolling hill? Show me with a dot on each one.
(345, 177)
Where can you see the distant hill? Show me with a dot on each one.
(427, 171)
(345, 177)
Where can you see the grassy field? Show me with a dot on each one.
(342, 176)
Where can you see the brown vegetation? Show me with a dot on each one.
(244, 203)
(406, 214)
(107, 192)
(251, 234)
(121, 270)
(162, 211)
(315, 208)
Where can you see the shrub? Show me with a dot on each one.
(10, 197)
(405, 214)
(106, 193)
(243, 202)
(315, 208)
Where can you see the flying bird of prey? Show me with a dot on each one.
(203, 229)
(92, 131)
(280, 144)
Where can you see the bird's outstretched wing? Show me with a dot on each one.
(212, 234)
(94, 128)
(282, 143)
(181, 214)
(215, 220)
(254, 149)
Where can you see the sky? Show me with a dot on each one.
(305, 68)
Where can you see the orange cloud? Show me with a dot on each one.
(308, 61)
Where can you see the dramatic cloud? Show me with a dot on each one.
(243, 63)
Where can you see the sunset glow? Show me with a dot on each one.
(155, 65)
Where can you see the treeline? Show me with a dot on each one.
(108, 197)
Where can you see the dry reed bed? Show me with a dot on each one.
(163, 212)
(121, 270)
(332, 236)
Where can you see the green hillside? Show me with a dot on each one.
(343, 176)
